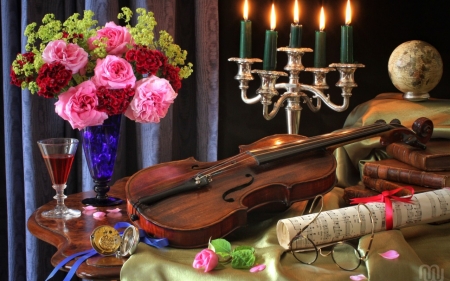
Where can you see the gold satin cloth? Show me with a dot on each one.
(424, 249)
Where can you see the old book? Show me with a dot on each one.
(397, 171)
(357, 191)
(381, 185)
(436, 157)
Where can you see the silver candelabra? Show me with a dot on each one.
(294, 90)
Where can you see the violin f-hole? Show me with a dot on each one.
(242, 186)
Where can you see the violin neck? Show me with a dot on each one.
(326, 141)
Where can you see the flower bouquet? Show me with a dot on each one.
(96, 74)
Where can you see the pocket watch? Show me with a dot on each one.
(107, 241)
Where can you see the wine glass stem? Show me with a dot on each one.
(60, 196)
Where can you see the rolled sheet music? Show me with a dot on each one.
(343, 224)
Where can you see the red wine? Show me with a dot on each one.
(58, 166)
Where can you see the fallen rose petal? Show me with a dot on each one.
(390, 255)
(358, 277)
(90, 208)
(116, 210)
(114, 215)
(257, 268)
(98, 215)
(89, 212)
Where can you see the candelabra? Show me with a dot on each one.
(294, 90)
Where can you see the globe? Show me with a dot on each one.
(415, 68)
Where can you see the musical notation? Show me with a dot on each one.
(343, 224)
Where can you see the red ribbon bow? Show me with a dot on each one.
(386, 197)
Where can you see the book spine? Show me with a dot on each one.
(406, 155)
(383, 185)
(421, 178)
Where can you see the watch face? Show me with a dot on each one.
(105, 240)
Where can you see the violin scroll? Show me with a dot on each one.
(422, 130)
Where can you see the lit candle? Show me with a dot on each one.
(321, 36)
(245, 50)
(296, 30)
(270, 47)
(347, 37)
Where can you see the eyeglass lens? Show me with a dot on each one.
(346, 256)
(307, 256)
(343, 254)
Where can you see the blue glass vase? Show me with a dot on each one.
(100, 145)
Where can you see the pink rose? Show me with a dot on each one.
(77, 106)
(73, 57)
(153, 97)
(113, 73)
(206, 259)
(117, 36)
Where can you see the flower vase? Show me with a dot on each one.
(100, 145)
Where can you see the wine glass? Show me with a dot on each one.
(58, 154)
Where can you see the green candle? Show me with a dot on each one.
(346, 44)
(245, 50)
(296, 36)
(270, 50)
(270, 46)
(320, 46)
(347, 37)
(319, 52)
(296, 29)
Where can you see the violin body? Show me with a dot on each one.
(190, 219)
(190, 202)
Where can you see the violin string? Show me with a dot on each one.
(218, 168)
(317, 140)
(313, 141)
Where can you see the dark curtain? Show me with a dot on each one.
(189, 129)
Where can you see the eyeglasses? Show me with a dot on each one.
(344, 254)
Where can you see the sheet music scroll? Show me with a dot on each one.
(343, 224)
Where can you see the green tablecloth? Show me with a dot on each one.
(424, 249)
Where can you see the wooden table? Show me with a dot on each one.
(72, 236)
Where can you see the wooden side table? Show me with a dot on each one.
(72, 236)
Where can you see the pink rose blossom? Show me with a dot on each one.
(151, 101)
(113, 73)
(73, 57)
(206, 259)
(117, 36)
(77, 106)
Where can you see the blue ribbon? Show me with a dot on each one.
(157, 243)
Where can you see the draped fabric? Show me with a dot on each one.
(189, 129)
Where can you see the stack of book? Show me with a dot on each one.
(423, 170)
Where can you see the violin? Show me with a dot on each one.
(189, 202)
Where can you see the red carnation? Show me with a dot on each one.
(147, 61)
(52, 78)
(18, 79)
(171, 74)
(114, 101)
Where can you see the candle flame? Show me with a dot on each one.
(296, 12)
(273, 19)
(322, 19)
(348, 13)
(245, 10)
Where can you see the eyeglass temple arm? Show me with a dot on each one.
(373, 228)
(311, 205)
